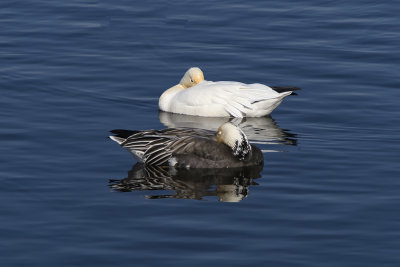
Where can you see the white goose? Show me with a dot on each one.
(196, 96)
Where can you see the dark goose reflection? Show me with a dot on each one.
(228, 185)
(263, 130)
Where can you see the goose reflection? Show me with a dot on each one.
(262, 130)
(228, 184)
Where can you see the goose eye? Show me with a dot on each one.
(191, 80)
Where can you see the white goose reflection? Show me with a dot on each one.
(263, 130)
(228, 185)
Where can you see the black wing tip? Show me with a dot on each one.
(282, 89)
(123, 133)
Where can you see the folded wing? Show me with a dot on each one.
(156, 147)
(236, 98)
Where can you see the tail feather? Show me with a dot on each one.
(117, 139)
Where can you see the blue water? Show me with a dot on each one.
(328, 194)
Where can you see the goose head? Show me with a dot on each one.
(192, 77)
(232, 136)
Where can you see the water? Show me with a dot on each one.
(328, 192)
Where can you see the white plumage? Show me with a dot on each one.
(195, 96)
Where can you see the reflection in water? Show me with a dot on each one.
(229, 185)
(263, 130)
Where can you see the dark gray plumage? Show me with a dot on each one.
(190, 148)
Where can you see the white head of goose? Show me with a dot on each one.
(232, 136)
(192, 77)
(196, 96)
(167, 101)
(191, 148)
